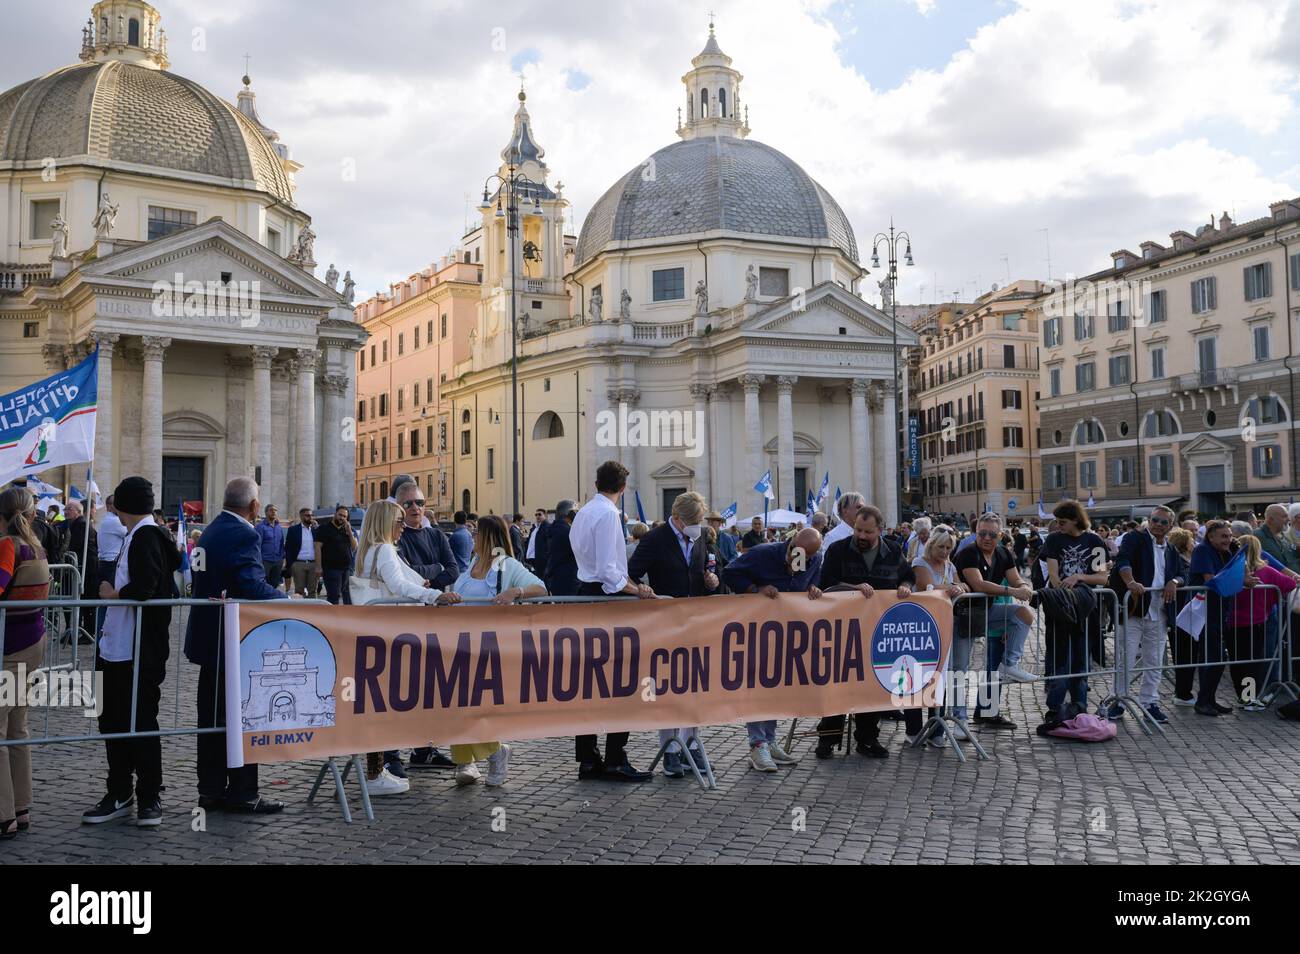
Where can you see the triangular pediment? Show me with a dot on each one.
(673, 470)
(829, 310)
(203, 254)
(1206, 445)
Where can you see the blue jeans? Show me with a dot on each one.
(1016, 631)
(761, 732)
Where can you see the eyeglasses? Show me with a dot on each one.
(1161, 521)
(412, 503)
(988, 534)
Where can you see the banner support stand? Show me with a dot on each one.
(332, 767)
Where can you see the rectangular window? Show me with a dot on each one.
(372, 356)
(415, 443)
(362, 354)
(443, 326)
(44, 212)
(1157, 363)
(1088, 473)
(383, 405)
(1051, 332)
(415, 394)
(383, 449)
(1013, 437)
(1085, 376)
(1121, 471)
(1260, 334)
(1116, 320)
(1054, 475)
(1161, 468)
(1267, 460)
(1054, 382)
(415, 338)
(1157, 307)
(1010, 399)
(31, 329)
(774, 282)
(1203, 295)
(164, 221)
(384, 352)
(1083, 327)
(361, 412)
(1015, 478)
(491, 463)
(464, 443)
(1295, 271)
(668, 284)
(401, 394)
(401, 343)
(1119, 370)
(273, 240)
(428, 331)
(401, 445)
(1207, 353)
(1008, 356)
(1258, 280)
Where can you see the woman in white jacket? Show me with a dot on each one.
(380, 572)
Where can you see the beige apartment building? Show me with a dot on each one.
(1168, 377)
(418, 332)
(977, 391)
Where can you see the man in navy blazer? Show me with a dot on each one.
(561, 575)
(1151, 570)
(226, 562)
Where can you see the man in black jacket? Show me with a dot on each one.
(673, 559)
(144, 572)
(867, 561)
(561, 576)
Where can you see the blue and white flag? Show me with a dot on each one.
(50, 422)
(181, 541)
(812, 505)
(1091, 502)
(825, 489)
(75, 494)
(764, 486)
(1231, 580)
(41, 489)
(730, 512)
(640, 510)
(92, 488)
(1042, 514)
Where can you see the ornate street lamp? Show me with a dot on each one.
(890, 240)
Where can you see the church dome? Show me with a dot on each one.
(716, 183)
(114, 111)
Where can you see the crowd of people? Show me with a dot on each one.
(1001, 578)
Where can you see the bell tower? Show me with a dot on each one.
(126, 30)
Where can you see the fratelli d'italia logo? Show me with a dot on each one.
(39, 438)
(905, 649)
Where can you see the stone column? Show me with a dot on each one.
(105, 426)
(703, 473)
(785, 439)
(261, 450)
(306, 442)
(630, 397)
(879, 460)
(752, 383)
(332, 447)
(890, 477)
(151, 414)
(237, 366)
(859, 426)
(281, 440)
(722, 473)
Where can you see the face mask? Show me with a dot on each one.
(692, 532)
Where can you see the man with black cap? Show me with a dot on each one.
(144, 572)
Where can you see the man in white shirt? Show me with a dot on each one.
(1146, 553)
(846, 508)
(601, 554)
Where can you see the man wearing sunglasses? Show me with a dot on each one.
(1152, 571)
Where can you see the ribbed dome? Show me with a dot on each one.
(119, 112)
(711, 183)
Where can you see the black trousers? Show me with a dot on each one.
(132, 762)
(587, 747)
(215, 780)
(338, 585)
(1186, 650)
(866, 725)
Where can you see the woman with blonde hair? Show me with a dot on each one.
(934, 570)
(493, 574)
(381, 574)
(24, 575)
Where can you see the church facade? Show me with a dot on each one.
(706, 327)
(147, 218)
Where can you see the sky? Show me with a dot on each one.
(997, 133)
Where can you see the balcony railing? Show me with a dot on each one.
(1213, 378)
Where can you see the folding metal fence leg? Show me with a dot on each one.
(364, 784)
(707, 780)
(789, 736)
(333, 769)
(1123, 678)
(663, 750)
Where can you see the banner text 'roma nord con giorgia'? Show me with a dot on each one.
(309, 681)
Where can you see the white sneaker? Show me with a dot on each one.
(1184, 702)
(467, 774)
(498, 763)
(1016, 674)
(780, 756)
(760, 759)
(387, 784)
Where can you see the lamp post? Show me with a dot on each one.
(890, 241)
(512, 184)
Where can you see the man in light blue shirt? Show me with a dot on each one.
(462, 542)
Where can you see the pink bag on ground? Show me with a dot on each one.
(1086, 728)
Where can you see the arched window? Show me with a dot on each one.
(1089, 432)
(464, 416)
(1264, 409)
(704, 104)
(1160, 423)
(133, 32)
(465, 500)
(722, 103)
(548, 426)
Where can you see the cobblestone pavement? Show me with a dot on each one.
(1213, 791)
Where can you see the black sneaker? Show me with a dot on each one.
(428, 758)
(149, 814)
(873, 750)
(994, 722)
(825, 749)
(107, 809)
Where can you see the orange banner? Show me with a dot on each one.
(310, 681)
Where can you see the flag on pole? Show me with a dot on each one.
(1042, 514)
(730, 512)
(75, 494)
(824, 489)
(1091, 502)
(640, 510)
(764, 486)
(50, 422)
(92, 488)
(838, 495)
(812, 505)
(181, 543)
(1231, 580)
(41, 489)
